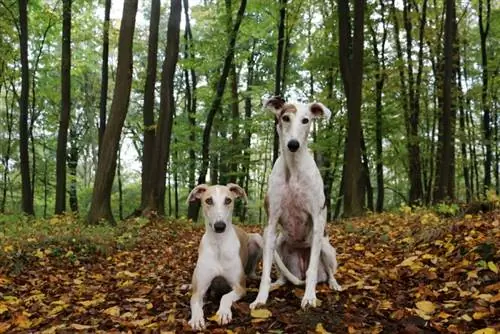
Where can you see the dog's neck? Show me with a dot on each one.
(293, 160)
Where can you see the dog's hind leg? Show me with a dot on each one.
(255, 245)
(329, 259)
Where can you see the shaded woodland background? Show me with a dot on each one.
(110, 118)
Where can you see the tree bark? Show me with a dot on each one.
(444, 190)
(64, 117)
(100, 208)
(104, 73)
(157, 177)
(278, 89)
(74, 153)
(483, 32)
(149, 102)
(351, 67)
(27, 195)
(216, 102)
(9, 113)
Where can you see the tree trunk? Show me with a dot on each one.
(119, 179)
(278, 89)
(72, 166)
(445, 157)
(100, 207)
(351, 67)
(104, 73)
(9, 113)
(156, 197)
(235, 133)
(483, 32)
(27, 195)
(149, 102)
(216, 102)
(64, 117)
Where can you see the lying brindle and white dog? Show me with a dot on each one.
(296, 202)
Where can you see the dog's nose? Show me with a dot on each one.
(219, 227)
(293, 145)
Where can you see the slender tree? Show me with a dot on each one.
(100, 207)
(27, 195)
(280, 58)
(157, 177)
(216, 102)
(149, 102)
(103, 100)
(64, 116)
(484, 28)
(351, 68)
(444, 189)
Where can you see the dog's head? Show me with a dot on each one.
(294, 120)
(217, 203)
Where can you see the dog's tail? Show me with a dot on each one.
(289, 276)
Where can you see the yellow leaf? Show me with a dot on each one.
(171, 318)
(113, 311)
(487, 330)
(149, 306)
(466, 317)
(422, 314)
(141, 322)
(93, 302)
(320, 329)
(485, 296)
(39, 254)
(359, 247)
(467, 217)
(126, 274)
(480, 315)
(57, 310)
(79, 327)
(215, 317)
(8, 248)
(3, 308)
(409, 261)
(22, 321)
(493, 267)
(444, 315)
(426, 306)
(261, 313)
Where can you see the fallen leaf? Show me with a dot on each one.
(480, 315)
(487, 330)
(466, 317)
(4, 327)
(260, 313)
(493, 267)
(320, 329)
(79, 327)
(215, 318)
(409, 261)
(113, 311)
(426, 306)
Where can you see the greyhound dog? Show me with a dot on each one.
(296, 202)
(218, 252)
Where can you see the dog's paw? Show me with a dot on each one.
(309, 299)
(197, 323)
(334, 285)
(259, 301)
(224, 316)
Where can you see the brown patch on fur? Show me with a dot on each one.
(243, 238)
(316, 109)
(288, 108)
(276, 102)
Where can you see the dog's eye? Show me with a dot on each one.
(286, 118)
(227, 201)
(305, 120)
(209, 201)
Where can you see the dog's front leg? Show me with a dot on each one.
(267, 262)
(201, 283)
(224, 312)
(319, 221)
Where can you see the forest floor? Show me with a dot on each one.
(413, 272)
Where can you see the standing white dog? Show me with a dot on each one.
(226, 251)
(296, 201)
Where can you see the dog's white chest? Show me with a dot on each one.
(222, 256)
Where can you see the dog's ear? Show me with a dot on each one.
(275, 104)
(238, 191)
(319, 110)
(197, 192)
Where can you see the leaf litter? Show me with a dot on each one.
(406, 273)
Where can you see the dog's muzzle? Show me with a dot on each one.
(293, 145)
(219, 227)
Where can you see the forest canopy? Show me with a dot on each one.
(110, 113)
